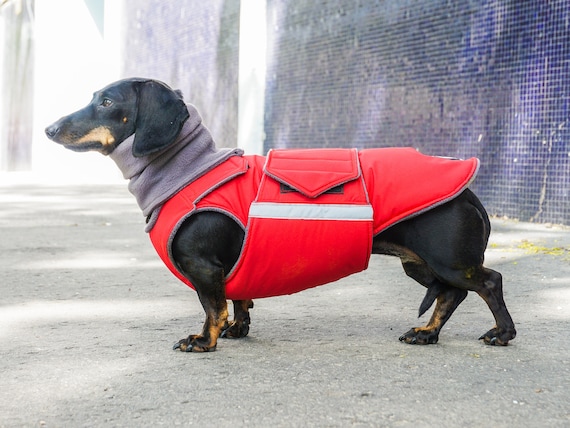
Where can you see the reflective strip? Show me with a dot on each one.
(311, 211)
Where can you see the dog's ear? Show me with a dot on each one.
(160, 116)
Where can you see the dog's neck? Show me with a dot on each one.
(156, 178)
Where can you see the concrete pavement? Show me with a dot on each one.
(88, 316)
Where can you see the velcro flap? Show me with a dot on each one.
(313, 171)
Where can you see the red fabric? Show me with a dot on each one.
(287, 255)
(402, 182)
(283, 256)
(312, 172)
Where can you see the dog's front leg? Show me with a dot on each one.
(211, 291)
(239, 327)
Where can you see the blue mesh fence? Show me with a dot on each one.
(457, 78)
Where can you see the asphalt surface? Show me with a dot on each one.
(88, 316)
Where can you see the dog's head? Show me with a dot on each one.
(147, 108)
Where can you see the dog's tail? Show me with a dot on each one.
(431, 294)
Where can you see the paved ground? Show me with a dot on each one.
(88, 316)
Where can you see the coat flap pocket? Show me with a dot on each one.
(313, 172)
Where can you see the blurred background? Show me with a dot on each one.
(455, 78)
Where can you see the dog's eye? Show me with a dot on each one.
(106, 102)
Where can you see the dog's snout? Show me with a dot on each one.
(52, 130)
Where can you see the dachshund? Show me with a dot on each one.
(441, 248)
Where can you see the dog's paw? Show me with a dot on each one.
(497, 336)
(419, 336)
(194, 343)
(235, 330)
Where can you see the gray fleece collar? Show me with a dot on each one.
(156, 178)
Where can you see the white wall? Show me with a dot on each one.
(72, 61)
(252, 67)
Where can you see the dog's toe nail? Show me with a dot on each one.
(493, 341)
(176, 346)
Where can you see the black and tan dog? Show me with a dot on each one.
(139, 120)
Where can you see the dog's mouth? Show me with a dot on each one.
(99, 139)
(90, 146)
(83, 147)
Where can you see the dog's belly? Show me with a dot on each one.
(304, 233)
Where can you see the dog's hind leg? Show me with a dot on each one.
(447, 298)
(447, 301)
(489, 285)
(239, 327)
(443, 249)
(492, 294)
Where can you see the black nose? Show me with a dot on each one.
(51, 131)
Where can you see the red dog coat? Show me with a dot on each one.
(310, 215)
